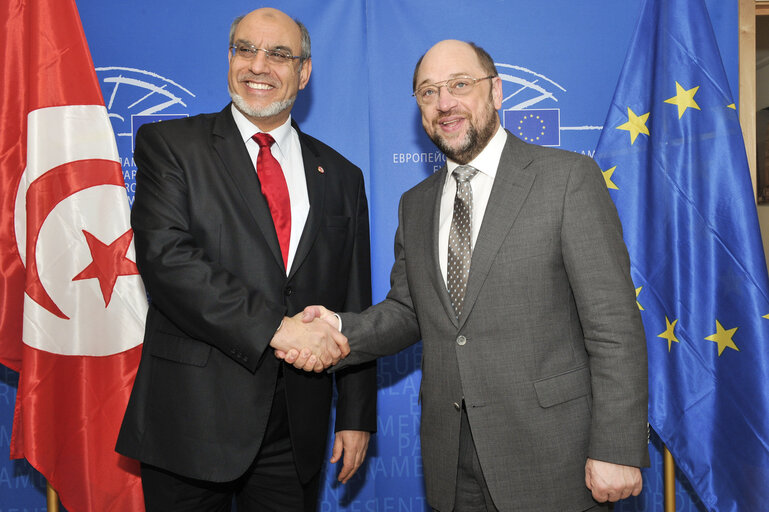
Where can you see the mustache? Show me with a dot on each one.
(454, 112)
(253, 77)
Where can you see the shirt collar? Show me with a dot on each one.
(488, 159)
(248, 129)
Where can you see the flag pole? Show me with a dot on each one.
(670, 481)
(52, 498)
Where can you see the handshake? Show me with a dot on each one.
(310, 340)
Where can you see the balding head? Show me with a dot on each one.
(450, 46)
(263, 87)
(275, 15)
(459, 93)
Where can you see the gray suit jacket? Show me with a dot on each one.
(550, 354)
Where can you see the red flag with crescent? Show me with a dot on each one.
(73, 303)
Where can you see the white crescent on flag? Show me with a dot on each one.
(83, 294)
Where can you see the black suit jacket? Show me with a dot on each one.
(211, 263)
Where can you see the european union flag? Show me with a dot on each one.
(538, 126)
(673, 157)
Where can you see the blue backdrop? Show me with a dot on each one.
(559, 59)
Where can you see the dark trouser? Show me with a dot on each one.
(271, 484)
(472, 494)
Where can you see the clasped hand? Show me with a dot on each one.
(309, 341)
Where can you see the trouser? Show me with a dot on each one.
(271, 484)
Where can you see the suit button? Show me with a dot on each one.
(288, 291)
(461, 340)
(456, 406)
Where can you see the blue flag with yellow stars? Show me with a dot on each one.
(674, 161)
(538, 126)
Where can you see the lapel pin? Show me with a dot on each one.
(320, 169)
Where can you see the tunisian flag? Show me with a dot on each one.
(73, 305)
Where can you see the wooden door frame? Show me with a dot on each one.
(747, 77)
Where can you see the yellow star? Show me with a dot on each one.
(669, 333)
(684, 99)
(723, 337)
(766, 316)
(607, 177)
(637, 291)
(635, 125)
(732, 106)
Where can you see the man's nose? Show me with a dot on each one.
(446, 100)
(259, 64)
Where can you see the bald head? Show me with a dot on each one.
(454, 50)
(275, 16)
(262, 87)
(459, 121)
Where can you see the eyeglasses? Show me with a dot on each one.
(248, 51)
(460, 86)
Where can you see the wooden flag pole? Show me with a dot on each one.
(670, 481)
(52, 498)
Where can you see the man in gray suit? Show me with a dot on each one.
(510, 265)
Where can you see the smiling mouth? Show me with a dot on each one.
(259, 86)
(449, 124)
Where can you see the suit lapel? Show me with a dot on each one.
(316, 190)
(430, 236)
(511, 186)
(231, 150)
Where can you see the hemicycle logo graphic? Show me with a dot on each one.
(134, 97)
(524, 89)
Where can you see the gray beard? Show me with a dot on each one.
(465, 152)
(270, 110)
(472, 146)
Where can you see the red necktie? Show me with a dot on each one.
(275, 191)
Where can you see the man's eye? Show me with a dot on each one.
(275, 54)
(461, 84)
(428, 91)
(245, 51)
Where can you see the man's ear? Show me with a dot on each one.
(496, 92)
(304, 73)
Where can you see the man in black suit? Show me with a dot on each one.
(234, 214)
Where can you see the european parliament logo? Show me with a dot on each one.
(527, 106)
(136, 96)
(537, 126)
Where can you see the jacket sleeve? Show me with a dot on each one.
(598, 267)
(357, 385)
(390, 326)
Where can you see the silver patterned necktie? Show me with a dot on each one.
(460, 237)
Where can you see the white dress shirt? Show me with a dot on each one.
(288, 152)
(486, 163)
